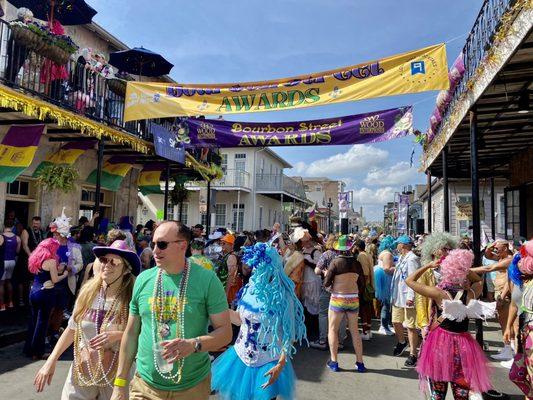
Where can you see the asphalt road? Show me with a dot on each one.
(386, 378)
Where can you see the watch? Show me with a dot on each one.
(197, 345)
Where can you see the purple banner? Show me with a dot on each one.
(371, 127)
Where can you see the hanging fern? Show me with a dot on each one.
(179, 194)
(58, 177)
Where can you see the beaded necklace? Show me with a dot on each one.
(177, 313)
(98, 377)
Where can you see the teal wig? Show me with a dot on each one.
(281, 313)
(436, 241)
(387, 243)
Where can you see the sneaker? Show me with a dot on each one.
(504, 355)
(507, 364)
(365, 336)
(399, 349)
(360, 367)
(410, 362)
(333, 365)
(385, 331)
(318, 344)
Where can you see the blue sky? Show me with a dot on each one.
(233, 41)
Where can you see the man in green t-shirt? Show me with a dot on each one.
(167, 325)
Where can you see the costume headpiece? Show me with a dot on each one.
(387, 243)
(526, 263)
(282, 314)
(437, 241)
(61, 224)
(455, 267)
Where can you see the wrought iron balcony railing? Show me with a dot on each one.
(71, 86)
(280, 183)
(479, 42)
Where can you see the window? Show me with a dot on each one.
(240, 156)
(319, 188)
(262, 167)
(270, 223)
(220, 215)
(20, 188)
(512, 213)
(501, 213)
(90, 195)
(224, 162)
(184, 213)
(170, 212)
(238, 217)
(463, 212)
(306, 188)
(260, 217)
(203, 219)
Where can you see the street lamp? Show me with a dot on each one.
(330, 204)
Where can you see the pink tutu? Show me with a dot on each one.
(453, 357)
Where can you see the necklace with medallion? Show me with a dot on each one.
(161, 319)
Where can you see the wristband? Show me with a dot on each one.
(120, 382)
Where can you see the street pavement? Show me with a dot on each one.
(386, 378)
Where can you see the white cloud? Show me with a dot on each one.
(370, 197)
(359, 156)
(398, 174)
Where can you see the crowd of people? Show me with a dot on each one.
(147, 308)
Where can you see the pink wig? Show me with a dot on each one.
(455, 267)
(526, 263)
(46, 250)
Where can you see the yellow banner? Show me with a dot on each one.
(117, 169)
(412, 72)
(63, 156)
(149, 178)
(14, 156)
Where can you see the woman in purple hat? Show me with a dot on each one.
(96, 326)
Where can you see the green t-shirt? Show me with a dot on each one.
(205, 296)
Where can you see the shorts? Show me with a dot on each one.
(405, 316)
(344, 303)
(140, 390)
(9, 267)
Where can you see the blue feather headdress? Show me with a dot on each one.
(514, 273)
(281, 313)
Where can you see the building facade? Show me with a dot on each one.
(254, 193)
(24, 196)
(461, 206)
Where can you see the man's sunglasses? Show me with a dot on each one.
(162, 245)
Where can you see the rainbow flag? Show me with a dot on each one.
(149, 178)
(113, 171)
(68, 154)
(18, 149)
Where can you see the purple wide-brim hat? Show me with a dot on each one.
(120, 248)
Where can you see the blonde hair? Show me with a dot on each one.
(90, 290)
(330, 242)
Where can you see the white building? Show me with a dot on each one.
(461, 206)
(254, 193)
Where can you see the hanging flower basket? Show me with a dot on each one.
(57, 48)
(27, 37)
(55, 53)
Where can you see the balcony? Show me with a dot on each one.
(280, 183)
(78, 90)
(233, 179)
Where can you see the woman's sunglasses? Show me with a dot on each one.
(114, 262)
(162, 245)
